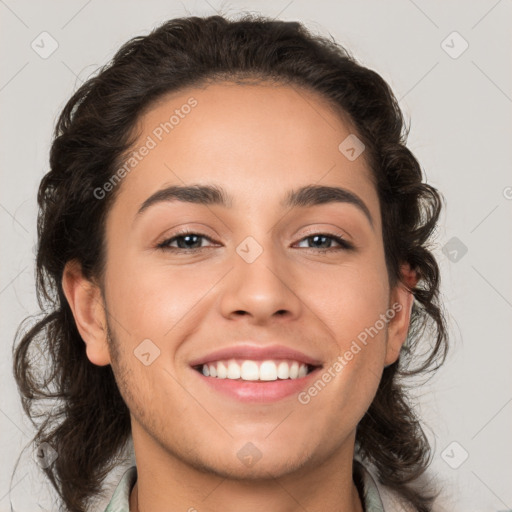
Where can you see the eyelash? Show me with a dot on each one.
(164, 246)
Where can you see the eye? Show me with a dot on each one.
(319, 239)
(186, 241)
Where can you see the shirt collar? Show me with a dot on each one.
(120, 501)
(369, 491)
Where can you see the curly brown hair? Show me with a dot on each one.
(89, 424)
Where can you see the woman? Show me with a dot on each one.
(262, 366)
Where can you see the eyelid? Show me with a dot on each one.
(333, 233)
(328, 231)
(332, 229)
(182, 232)
(343, 243)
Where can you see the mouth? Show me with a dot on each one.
(251, 372)
(256, 370)
(256, 381)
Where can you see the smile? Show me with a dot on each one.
(251, 370)
(253, 381)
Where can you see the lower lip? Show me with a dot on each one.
(259, 391)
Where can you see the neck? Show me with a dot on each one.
(355, 505)
(169, 484)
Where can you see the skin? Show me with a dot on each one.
(258, 142)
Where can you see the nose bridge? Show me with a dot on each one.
(259, 283)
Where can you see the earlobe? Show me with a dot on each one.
(86, 303)
(401, 302)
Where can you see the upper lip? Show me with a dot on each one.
(256, 353)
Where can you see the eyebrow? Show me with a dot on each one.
(303, 197)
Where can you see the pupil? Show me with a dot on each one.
(186, 238)
(316, 237)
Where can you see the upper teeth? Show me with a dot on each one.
(255, 370)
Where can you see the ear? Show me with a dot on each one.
(86, 303)
(401, 301)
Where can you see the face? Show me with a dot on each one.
(258, 272)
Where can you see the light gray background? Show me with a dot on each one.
(460, 111)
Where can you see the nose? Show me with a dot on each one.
(261, 289)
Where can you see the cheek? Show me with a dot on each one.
(349, 298)
(357, 337)
(352, 302)
(148, 301)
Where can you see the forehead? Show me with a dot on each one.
(257, 140)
